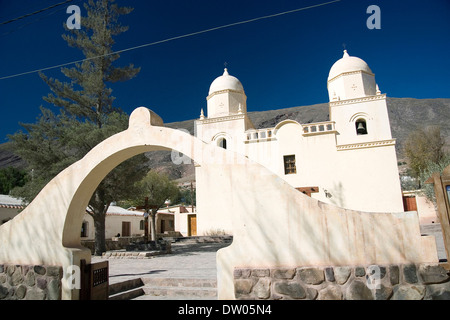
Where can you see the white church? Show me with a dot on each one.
(349, 161)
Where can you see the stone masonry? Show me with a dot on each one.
(393, 282)
(30, 282)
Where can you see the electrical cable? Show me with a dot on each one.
(170, 39)
(35, 12)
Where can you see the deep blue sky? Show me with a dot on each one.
(282, 62)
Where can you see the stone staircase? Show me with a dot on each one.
(126, 290)
(164, 289)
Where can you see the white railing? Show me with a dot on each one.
(260, 134)
(318, 128)
(308, 129)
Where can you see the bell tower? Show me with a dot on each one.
(356, 103)
(226, 118)
(349, 78)
(226, 97)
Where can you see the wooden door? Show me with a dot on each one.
(126, 228)
(409, 203)
(192, 223)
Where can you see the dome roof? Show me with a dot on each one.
(226, 82)
(348, 64)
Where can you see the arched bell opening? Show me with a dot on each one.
(361, 126)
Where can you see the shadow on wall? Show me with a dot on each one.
(337, 197)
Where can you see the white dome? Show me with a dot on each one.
(348, 64)
(226, 82)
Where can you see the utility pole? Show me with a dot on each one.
(192, 198)
(146, 208)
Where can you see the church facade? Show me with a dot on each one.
(348, 161)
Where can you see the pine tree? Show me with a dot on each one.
(86, 116)
(87, 96)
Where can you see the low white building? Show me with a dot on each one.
(349, 161)
(9, 207)
(177, 219)
(170, 220)
(118, 222)
(184, 219)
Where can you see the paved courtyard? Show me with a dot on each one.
(187, 260)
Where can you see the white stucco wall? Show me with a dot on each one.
(426, 210)
(113, 225)
(7, 214)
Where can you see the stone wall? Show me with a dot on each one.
(30, 282)
(393, 282)
(112, 244)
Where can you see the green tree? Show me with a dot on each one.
(157, 188)
(422, 147)
(10, 178)
(186, 196)
(86, 116)
(87, 95)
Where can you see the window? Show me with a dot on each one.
(141, 225)
(84, 229)
(223, 143)
(289, 164)
(361, 126)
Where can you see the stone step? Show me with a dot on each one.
(180, 282)
(181, 292)
(205, 239)
(128, 295)
(179, 288)
(120, 254)
(126, 290)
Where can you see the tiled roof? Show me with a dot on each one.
(9, 202)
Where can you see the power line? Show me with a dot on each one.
(171, 39)
(35, 12)
(31, 22)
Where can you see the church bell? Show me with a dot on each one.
(361, 129)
